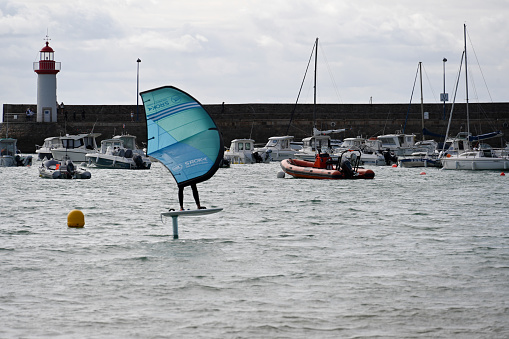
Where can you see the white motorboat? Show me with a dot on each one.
(75, 147)
(54, 169)
(428, 157)
(44, 151)
(242, 151)
(10, 155)
(279, 148)
(119, 152)
(399, 144)
(368, 155)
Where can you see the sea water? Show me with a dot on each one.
(404, 255)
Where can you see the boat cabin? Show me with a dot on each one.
(109, 146)
(129, 141)
(353, 143)
(8, 147)
(459, 144)
(86, 141)
(316, 142)
(52, 142)
(280, 143)
(393, 141)
(241, 145)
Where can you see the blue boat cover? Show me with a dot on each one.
(181, 135)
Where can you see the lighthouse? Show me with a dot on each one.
(47, 69)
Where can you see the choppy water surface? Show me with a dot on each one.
(403, 255)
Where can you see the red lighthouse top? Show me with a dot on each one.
(47, 64)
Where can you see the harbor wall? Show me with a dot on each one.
(261, 121)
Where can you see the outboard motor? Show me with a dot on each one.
(346, 168)
(70, 167)
(18, 160)
(138, 160)
(128, 153)
(257, 157)
(389, 157)
(268, 155)
(28, 160)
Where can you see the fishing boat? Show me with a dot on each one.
(76, 147)
(242, 151)
(279, 148)
(324, 167)
(119, 152)
(44, 151)
(183, 137)
(399, 143)
(10, 155)
(462, 155)
(369, 155)
(55, 169)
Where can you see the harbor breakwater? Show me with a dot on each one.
(260, 121)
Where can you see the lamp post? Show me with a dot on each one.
(137, 89)
(444, 96)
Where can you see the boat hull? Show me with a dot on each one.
(108, 161)
(75, 155)
(419, 162)
(480, 163)
(15, 161)
(304, 169)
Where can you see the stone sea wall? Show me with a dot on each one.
(261, 121)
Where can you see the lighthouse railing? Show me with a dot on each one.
(44, 65)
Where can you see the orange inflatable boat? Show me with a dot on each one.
(325, 167)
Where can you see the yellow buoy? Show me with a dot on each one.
(75, 218)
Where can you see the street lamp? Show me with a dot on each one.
(444, 95)
(138, 89)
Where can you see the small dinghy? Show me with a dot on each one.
(325, 167)
(54, 169)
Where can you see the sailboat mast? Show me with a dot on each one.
(422, 100)
(314, 86)
(466, 77)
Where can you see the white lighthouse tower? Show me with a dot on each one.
(46, 69)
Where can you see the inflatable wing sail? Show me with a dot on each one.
(181, 135)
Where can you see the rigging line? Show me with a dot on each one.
(479, 65)
(334, 85)
(411, 96)
(300, 90)
(453, 101)
(430, 87)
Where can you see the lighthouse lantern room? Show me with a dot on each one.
(47, 69)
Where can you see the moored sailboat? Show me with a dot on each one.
(469, 157)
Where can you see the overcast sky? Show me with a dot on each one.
(255, 51)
